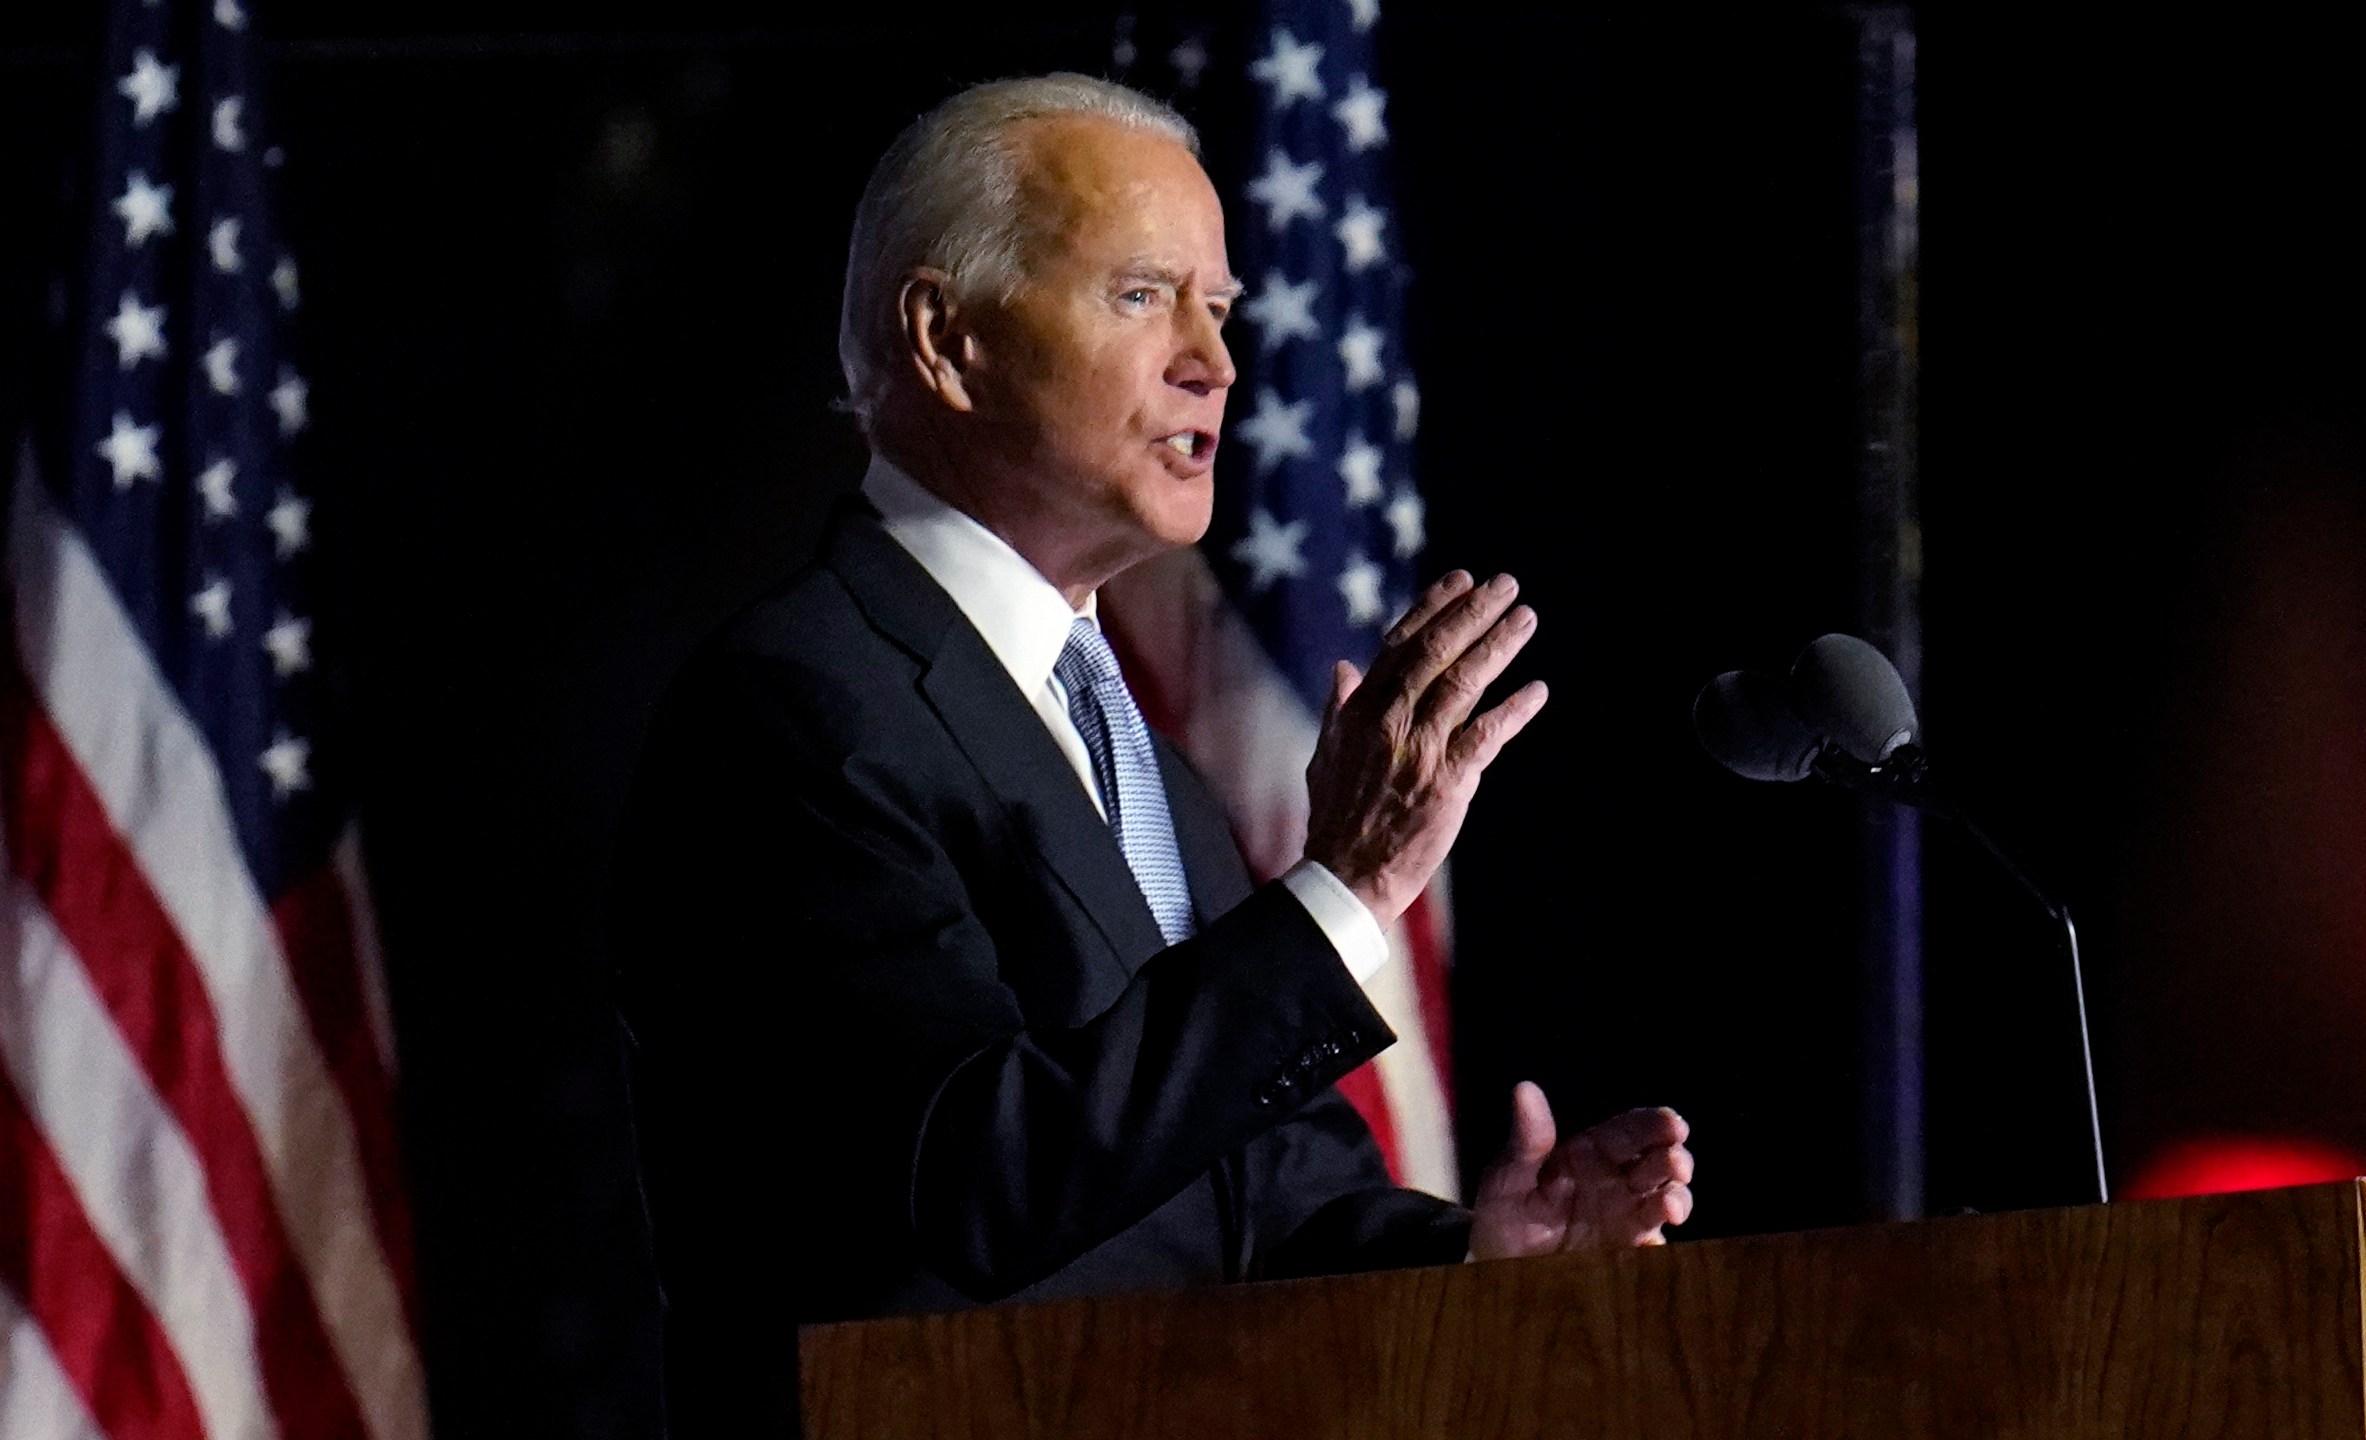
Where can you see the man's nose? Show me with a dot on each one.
(1202, 363)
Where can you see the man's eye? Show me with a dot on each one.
(1141, 295)
(1222, 314)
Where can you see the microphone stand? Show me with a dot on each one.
(1904, 778)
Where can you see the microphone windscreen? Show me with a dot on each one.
(1748, 726)
(1849, 692)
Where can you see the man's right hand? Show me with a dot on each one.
(1401, 751)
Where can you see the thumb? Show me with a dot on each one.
(1515, 1171)
(1345, 677)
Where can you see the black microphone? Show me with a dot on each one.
(1747, 723)
(1846, 717)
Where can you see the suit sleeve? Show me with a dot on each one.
(815, 922)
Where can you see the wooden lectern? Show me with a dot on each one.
(2230, 1315)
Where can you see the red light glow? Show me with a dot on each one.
(2218, 1164)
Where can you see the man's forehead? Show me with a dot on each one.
(1072, 166)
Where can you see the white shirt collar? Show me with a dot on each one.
(1024, 618)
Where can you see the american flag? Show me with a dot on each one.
(1318, 525)
(201, 1227)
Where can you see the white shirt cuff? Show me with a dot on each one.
(1341, 916)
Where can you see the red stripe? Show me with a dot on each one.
(61, 841)
(316, 929)
(112, 1350)
(1426, 942)
(1362, 1088)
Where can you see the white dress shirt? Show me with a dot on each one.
(1025, 621)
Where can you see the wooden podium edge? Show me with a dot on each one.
(1454, 1351)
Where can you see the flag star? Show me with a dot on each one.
(1360, 115)
(138, 331)
(229, 15)
(290, 642)
(283, 280)
(151, 88)
(1282, 311)
(1289, 70)
(1359, 234)
(146, 209)
(1405, 514)
(230, 135)
(1270, 550)
(1359, 586)
(212, 606)
(130, 451)
(1366, 13)
(1278, 430)
(291, 523)
(1359, 351)
(1190, 60)
(288, 401)
(288, 762)
(1286, 190)
(213, 485)
(222, 241)
(1359, 466)
(1406, 401)
(1122, 53)
(221, 366)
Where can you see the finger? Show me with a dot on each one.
(1455, 694)
(1532, 1124)
(1345, 677)
(1483, 739)
(1624, 1137)
(1669, 1206)
(1425, 609)
(1424, 654)
(1668, 1165)
(1513, 1175)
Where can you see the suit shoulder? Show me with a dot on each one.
(802, 657)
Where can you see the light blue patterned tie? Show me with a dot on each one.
(1131, 791)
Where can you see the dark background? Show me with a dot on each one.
(571, 278)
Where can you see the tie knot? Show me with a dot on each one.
(1086, 662)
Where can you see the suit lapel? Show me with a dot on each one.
(996, 728)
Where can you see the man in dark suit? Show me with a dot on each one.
(946, 982)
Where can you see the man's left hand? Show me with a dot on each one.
(1607, 1188)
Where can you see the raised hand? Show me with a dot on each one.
(1608, 1188)
(1401, 752)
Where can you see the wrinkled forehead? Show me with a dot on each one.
(1096, 188)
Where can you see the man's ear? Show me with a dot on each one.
(936, 341)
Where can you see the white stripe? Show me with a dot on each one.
(140, 1183)
(1246, 729)
(159, 785)
(37, 1401)
(368, 960)
(1409, 1078)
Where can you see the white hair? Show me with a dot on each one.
(945, 196)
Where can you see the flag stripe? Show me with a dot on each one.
(366, 956)
(107, 1344)
(59, 840)
(317, 929)
(1429, 950)
(156, 781)
(143, 1188)
(36, 1398)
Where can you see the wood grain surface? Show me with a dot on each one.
(2225, 1316)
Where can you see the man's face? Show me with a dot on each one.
(1100, 386)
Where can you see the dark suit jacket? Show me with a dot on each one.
(906, 1034)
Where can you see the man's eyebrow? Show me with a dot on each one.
(1230, 289)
